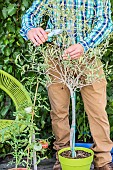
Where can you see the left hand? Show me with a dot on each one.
(74, 51)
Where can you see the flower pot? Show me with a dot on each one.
(84, 145)
(78, 164)
(88, 145)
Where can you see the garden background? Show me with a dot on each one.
(13, 45)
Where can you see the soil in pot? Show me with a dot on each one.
(79, 154)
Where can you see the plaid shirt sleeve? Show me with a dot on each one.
(103, 25)
(31, 18)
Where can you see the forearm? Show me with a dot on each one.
(97, 36)
(103, 27)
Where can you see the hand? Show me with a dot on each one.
(74, 51)
(37, 35)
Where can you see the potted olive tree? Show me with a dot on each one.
(75, 74)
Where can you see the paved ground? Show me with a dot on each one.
(45, 164)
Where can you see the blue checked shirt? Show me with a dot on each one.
(91, 19)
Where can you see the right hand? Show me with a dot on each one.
(37, 35)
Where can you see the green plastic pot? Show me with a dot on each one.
(76, 164)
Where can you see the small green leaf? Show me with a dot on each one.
(11, 9)
(1, 97)
(6, 41)
(6, 60)
(4, 12)
(4, 110)
(23, 8)
(11, 27)
(7, 51)
(38, 147)
(25, 3)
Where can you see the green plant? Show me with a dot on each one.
(22, 134)
(83, 127)
(18, 143)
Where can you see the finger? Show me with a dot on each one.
(34, 41)
(75, 53)
(76, 56)
(78, 51)
(72, 54)
(30, 37)
(40, 36)
(66, 57)
(38, 39)
(66, 52)
(44, 34)
(69, 50)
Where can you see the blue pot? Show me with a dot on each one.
(85, 145)
(88, 145)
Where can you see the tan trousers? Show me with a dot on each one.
(94, 98)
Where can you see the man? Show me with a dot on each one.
(98, 15)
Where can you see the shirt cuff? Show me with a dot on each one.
(85, 45)
(24, 32)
